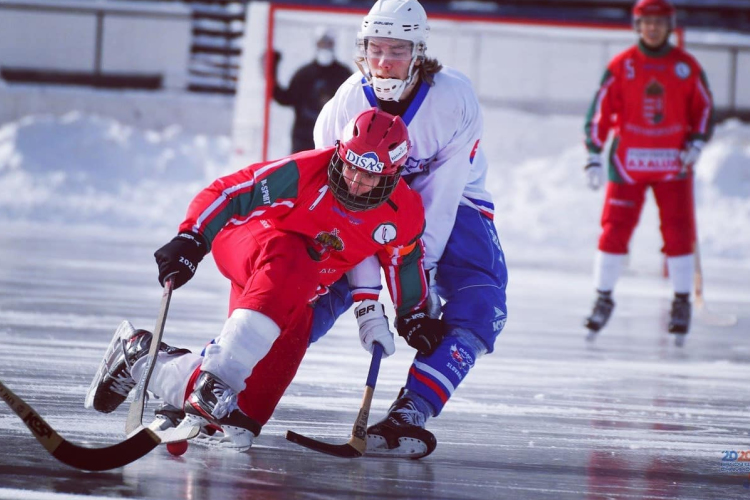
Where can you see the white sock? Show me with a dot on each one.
(681, 271)
(607, 270)
(170, 376)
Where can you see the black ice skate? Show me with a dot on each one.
(213, 403)
(401, 433)
(680, 321)
(600, 315)
(113, 380)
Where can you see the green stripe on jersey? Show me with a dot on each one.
(593, 148)
(711, 119)
(410, 277)
(614, 174)
(282, 183)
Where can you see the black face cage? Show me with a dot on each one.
(357, 203)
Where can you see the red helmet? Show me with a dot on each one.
(374, 143)
(654, 8)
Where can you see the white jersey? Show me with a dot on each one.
(445, 165)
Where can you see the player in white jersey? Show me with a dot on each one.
(463, 254)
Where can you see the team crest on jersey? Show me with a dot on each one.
(417, 165)
(324, 243)
(682, 70)
(384, 233)
(461, 358)
(368, 161)
(653, 103)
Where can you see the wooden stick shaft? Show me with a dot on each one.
(36, 424)
(135, 413)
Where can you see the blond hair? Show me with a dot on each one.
(428, 69)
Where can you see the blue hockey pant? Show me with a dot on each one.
(471, 280)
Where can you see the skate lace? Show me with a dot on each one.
(409, 415)
(226, 400)
(122, 384)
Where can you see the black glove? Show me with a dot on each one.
(180, 257)
(275, 63)
(420, 331)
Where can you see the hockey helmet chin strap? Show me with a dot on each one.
(391, 89)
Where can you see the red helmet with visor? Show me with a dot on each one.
(368, 160)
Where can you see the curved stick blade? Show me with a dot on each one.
(358, 442)
(337, 450)
(110, 457)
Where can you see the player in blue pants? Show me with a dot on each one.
(462, 252)
(471, 278)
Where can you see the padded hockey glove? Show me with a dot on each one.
(594, 171)
(420, 331)
(180, 257)
(690, 155)
(373, 326)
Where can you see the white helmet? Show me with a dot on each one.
(401, 20)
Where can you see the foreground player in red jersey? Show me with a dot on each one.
(655, 98)
(281, 232)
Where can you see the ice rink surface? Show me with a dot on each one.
(547, 415)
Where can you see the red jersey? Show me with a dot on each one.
(292, 195)
(654, 102)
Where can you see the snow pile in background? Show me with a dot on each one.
(542, 200)
(95, 170)
(81, 169)
(723, 196)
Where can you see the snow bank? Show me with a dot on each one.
(80, 169)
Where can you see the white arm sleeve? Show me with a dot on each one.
(324, 132)
(443, 187)
(364, 279)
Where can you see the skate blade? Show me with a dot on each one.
(592, 336)
(125, 330)
(168, 433)
(679, 339)
(217, 440)
(407, 448)
(175, 434)
(160, 424)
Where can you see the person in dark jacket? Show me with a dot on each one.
(310, 88)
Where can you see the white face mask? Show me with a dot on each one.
(388, 89)
(324, 57)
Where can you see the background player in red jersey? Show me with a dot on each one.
(282, 232)
(655, 99)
